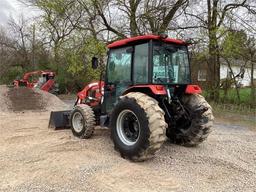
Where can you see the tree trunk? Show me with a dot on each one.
(56, 56)
(133, 24)
(33, 48)
(225, 85)
(214, 61)
(252, 84)
(234, 79)
(213, 66)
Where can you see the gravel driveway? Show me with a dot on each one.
(34, 158)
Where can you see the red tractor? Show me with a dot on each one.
(43, 80)
(146, 96)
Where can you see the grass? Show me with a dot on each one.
(231, 97)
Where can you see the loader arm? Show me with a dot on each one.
(48, 85)
(27, 75)
(91, 94)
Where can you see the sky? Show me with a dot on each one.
(14, 8)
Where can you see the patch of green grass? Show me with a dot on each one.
(231, 97)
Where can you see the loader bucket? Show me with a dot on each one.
(59, 119)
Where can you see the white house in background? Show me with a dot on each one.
(224, 72)
(246, 81)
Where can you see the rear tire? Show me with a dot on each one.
(82, 121)
(196, 131)
(138, 126)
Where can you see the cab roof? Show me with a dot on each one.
(130, 40)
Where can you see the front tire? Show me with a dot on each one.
(194, 132)
(82, 121)
(138, 126)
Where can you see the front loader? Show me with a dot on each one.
(146, 97)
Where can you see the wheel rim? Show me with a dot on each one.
(78, 121)
(128, 127)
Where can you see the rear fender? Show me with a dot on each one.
(193, 89)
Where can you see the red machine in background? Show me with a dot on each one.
(43, 80)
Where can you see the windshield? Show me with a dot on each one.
(170, 64)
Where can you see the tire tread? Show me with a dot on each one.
(89, 118)
(157, 130)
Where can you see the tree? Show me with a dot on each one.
(22, 38)
(216, 16)
(234, 48)
(60, 18)
(135, 17)
(213, 20)
(251, 57)
(17, 49)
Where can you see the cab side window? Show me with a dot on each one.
(141, 63)
(119, 65)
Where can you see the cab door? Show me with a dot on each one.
(118, 76)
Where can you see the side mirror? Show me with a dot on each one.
(95, 62)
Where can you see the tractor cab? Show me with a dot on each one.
(44, 77)
(153, 64)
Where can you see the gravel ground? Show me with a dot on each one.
(35, 158)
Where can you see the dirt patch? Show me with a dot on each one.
(35, 158)
(248, 120)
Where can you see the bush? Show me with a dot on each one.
(11, 74)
